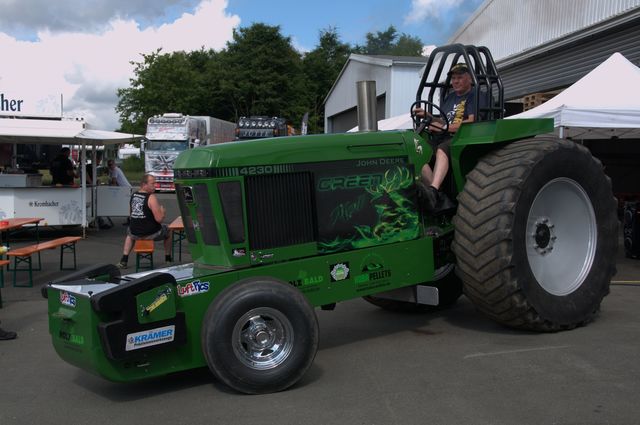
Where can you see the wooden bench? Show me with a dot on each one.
(23, 255)
(2, 264)
(144, 251)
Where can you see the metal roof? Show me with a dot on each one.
(509, 28)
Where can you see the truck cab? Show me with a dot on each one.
(166, 137)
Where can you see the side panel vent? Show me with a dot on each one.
(231, 199)
(206, 219)
(280, 210)
(186, 215)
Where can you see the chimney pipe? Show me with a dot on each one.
(367, 114)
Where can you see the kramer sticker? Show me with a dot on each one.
(193, 288)
(150, 338)
(339, 271)
(67, 299)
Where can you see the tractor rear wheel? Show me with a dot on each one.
(260, 336)
(536, 235)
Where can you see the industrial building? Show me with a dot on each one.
(540, 47)
(396, 80)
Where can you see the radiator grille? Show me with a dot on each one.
(280, 210)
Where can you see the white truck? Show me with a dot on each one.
(169, 134)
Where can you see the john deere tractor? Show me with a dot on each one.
(279, 227)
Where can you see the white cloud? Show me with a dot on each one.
(423, 9)
(299, 47)
(81, 15)
(88, 68)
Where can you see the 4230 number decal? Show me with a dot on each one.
(264, 169)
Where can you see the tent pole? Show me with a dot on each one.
(83, 190)
(561, 132)
(14, 156)
(94, 185)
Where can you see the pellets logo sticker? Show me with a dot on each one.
(193, 288)
(67, 299)
(339, 271)
(70, 338)
(150, 338)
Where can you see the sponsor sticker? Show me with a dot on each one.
(373, 273)
(239, 252)
(339, 271)
(306, 280)
(71, 338)
(193, 288)
(67, 299)
(150, 338)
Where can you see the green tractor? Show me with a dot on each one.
(278, 227)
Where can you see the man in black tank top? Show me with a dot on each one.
(146, 215)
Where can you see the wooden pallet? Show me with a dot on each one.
(530, 101)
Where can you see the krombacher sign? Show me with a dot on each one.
(26, 104)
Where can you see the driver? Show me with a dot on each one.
(459, 107)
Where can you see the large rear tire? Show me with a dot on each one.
(260, 336)
(536, 235)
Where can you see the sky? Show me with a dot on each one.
(83, 48)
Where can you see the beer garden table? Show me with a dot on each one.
(177, 236)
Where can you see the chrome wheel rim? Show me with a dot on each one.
(263, 338)
(561, 236)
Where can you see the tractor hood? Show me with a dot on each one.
(294, 149)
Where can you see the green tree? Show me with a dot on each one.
(321, 67)
(164, 83)
(389, 42)
(261, 74)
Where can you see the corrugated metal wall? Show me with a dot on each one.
(510, 27)
(404, 83)
(563, 66)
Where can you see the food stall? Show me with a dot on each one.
(23, 195)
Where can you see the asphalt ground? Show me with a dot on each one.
(373, 367)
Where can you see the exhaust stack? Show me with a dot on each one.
(367, 114)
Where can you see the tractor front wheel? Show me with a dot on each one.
(260, 336)
(536, 235)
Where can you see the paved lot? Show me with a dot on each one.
(373, 367)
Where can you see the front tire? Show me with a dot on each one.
(260, 336)
(536, 235)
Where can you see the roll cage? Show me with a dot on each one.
(489, 93)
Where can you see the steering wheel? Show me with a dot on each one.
(420, 123)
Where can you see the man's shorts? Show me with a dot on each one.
(160, 235)
(444, 144)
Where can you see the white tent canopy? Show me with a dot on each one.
(62, 132)
(53, 132)
(602, 104)
(399, 122)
